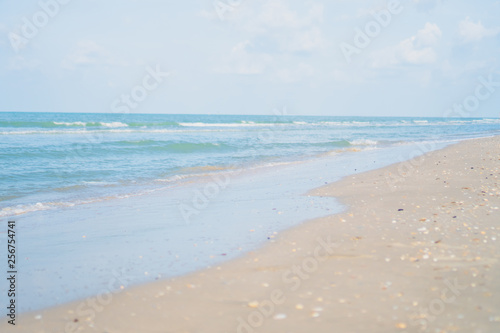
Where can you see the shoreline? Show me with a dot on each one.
(263, 202)
(358, 268)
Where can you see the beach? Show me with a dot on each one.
(416, 250)
(250, 166)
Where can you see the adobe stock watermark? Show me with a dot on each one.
(31, 27)
(223, 6)
(483, 91)
(372, 29)
(293, 277)
(202, 197)
(437, 306)
(140, 92)
(89, 307)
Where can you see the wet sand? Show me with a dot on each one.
(416, 250)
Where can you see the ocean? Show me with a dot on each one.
(149, 196)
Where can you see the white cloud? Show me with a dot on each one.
(346, 75)
(293, 29)
(410, 54)
(274, 33)
(416, 50)
(242, 61)
(290, 75)
(261, 15)
(429, 35)
(307, 40)
(20, 62)
(88, 52)
(473, 32)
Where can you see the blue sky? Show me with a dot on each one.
(251, 56)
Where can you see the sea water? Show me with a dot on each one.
(99, 198)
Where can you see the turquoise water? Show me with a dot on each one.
(54, 160)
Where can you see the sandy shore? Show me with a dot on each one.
(417, 250)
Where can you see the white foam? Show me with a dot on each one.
(335, 123)
(103, 183)
(113, 124)
(363, 142)
(22, 209)
(76, 123)
(245, 124)
(39, 206)
(486, 121)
